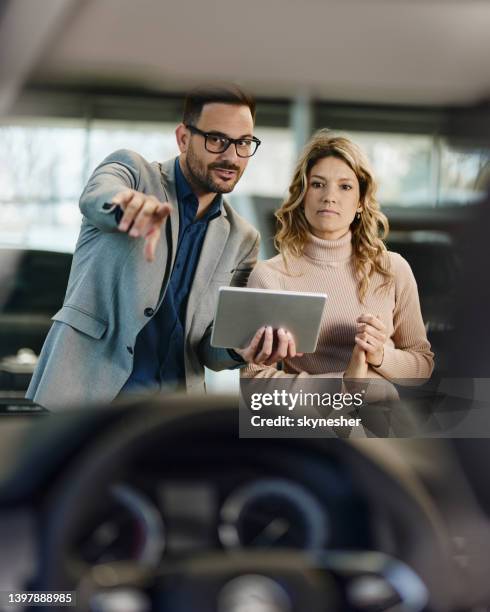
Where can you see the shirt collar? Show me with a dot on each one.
(184, 192)
(182, 186)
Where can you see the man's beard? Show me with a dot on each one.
(200, 175)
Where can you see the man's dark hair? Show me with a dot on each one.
(221, 94)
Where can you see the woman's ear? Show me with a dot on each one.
(359, 210)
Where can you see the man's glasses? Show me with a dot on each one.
(216, 143)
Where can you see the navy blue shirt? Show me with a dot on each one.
(159, 348)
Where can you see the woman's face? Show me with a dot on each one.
(332, 198)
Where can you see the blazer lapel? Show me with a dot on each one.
(211, 253)
(167, 172)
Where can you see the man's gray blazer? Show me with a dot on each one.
(112, 290)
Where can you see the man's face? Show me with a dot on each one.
(218, 172)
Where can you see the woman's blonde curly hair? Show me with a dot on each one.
(368, 231)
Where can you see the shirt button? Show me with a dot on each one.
(149, 312)
(130, 350)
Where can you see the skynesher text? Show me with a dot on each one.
(308, 422)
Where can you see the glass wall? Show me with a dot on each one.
(42, 171)
(44, 164)
(464, 173)
(423, 170)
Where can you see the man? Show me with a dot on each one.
(156, 243)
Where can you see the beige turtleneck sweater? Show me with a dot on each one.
(327, 267)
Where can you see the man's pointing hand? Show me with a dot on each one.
(143, 217)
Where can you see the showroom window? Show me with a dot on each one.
(41, 174)
(44, 164)
(423, 170)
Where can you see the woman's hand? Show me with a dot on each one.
(371, 337)
(358, 367)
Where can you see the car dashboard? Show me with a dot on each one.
(166, 483)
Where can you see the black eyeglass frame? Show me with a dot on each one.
(234, 141)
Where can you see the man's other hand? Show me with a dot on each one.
(269, 346)
(143, 216)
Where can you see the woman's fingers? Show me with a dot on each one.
(371, 337)
(367, 346)
(368, 331)
(373, 347)
(373, 321)
(373, 342)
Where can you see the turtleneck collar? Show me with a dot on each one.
(329, 250)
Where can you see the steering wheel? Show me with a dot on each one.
(214, 581)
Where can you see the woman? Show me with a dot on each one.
(330, 241)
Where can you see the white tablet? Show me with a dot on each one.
(242, 311)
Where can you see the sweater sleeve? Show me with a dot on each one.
(408, 355)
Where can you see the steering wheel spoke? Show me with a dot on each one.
(266, 581)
